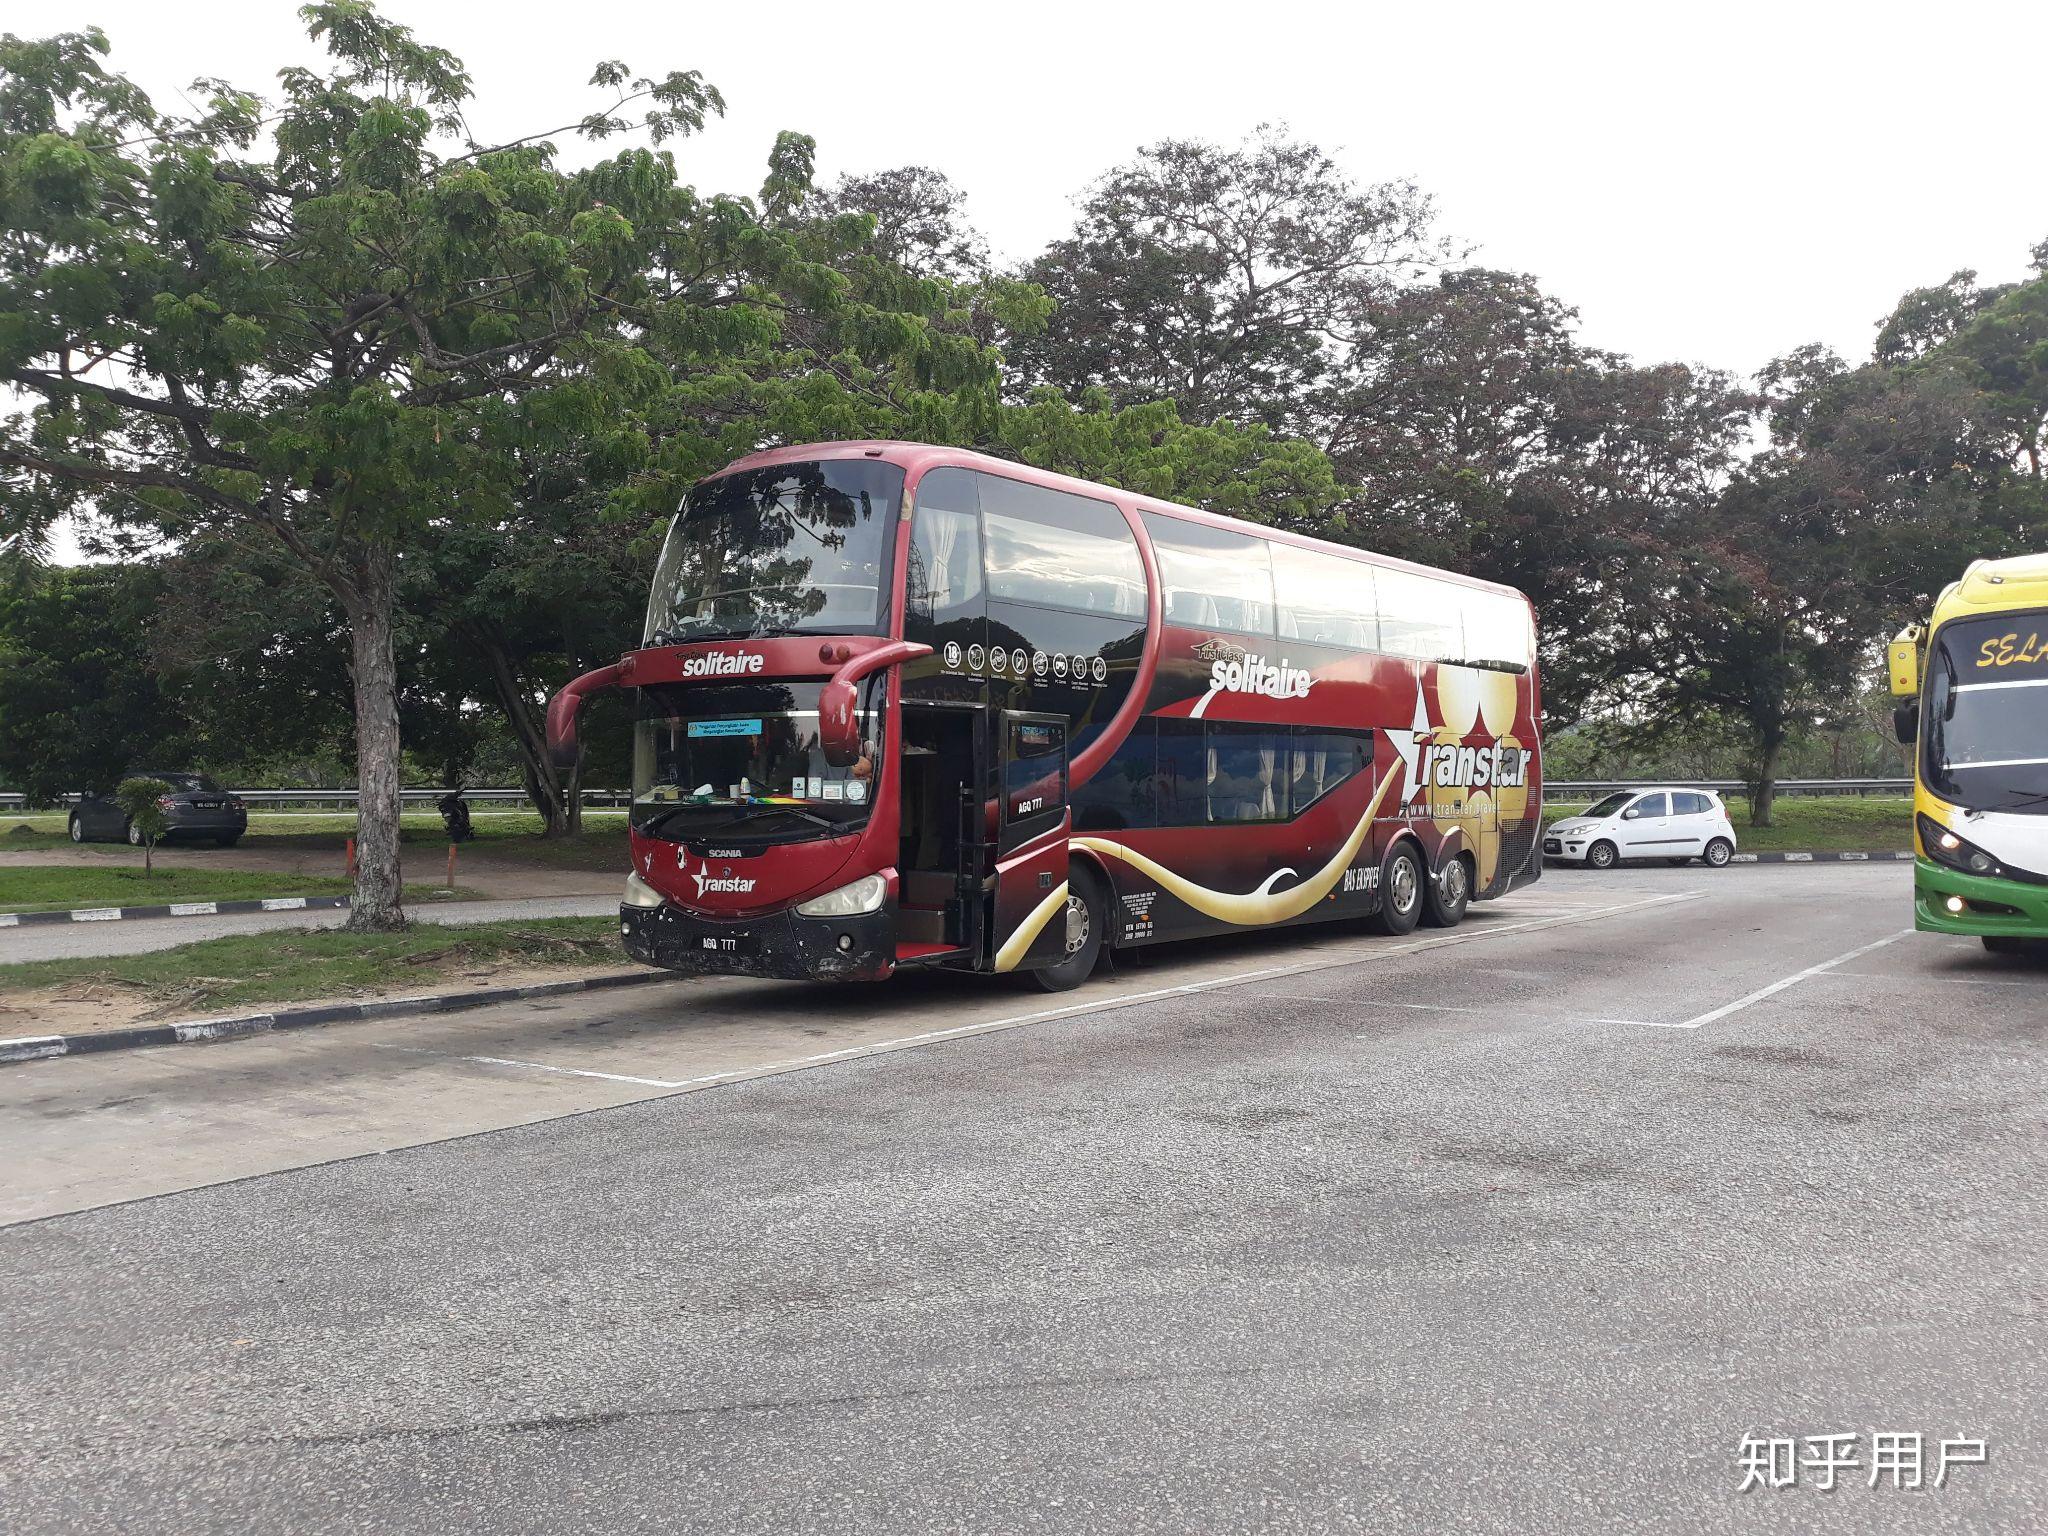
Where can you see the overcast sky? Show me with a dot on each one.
(1710, 183)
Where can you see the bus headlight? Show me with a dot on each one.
(640, 894)
(1946, 847)
(863, 895)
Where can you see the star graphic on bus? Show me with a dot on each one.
(1408, 746)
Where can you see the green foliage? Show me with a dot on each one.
(141, 800)
(80, 698)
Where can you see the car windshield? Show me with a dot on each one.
(745, 761)
(1610, 805)
(1985, 739)
(792, 548)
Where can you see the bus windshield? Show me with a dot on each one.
(746, 761)
(792, 548)
(1985, 742)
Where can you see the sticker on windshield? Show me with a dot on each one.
(817, 788)
(834, 790)
(856, 791)
(725, 727)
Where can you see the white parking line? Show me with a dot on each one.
(1484, 931)
(1722, 1012)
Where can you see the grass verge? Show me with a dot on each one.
(514, 834)
(61, 887)
(278, 967)
(1810, 824)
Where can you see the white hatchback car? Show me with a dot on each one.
(1675, 824)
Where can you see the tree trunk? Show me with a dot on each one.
(379, 884)
(1765, 803)
(529, 734)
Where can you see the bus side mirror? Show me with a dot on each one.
(839, 700)
(1904, 655)
(1906, 721)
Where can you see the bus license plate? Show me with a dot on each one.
(726, 943)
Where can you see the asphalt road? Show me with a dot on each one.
(139, 935)
(1520, 1232)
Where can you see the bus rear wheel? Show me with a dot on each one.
(1449, 894)
(1401, 892)
(1087, 911)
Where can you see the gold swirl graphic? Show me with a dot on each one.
(1248, 909)
(1019, 943)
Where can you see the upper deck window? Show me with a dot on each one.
(1325, 599)
(1053, 549)
(799, 547)
(1213, 578)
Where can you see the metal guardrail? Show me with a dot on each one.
(347, 797)
(1559, 789)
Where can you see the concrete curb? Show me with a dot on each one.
(1893, 856)
(41, 1047)
(1887, 856)
(174, 909)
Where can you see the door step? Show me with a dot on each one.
(926, 954)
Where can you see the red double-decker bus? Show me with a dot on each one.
(900, 705)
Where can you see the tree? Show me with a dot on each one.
(1230, 281)
(1475, 431)
(921, 222)
(142, 801)
(80, 698)
(336, 339)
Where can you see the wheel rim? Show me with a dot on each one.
(1718, 854)
(1401, 885)
(135, 835)
(1454, 884)
(1602, 857)
(1077, 924)
(77, 832)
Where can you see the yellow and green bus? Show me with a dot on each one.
(1975, 682)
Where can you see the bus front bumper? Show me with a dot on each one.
(1996, 907)
(781, 945)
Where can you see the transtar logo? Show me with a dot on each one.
(1450, 766)
(723, 664)
(722, 885)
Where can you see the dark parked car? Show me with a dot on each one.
(196, 807)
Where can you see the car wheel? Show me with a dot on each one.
(77, 830)
(1719, 852)
(1401, 892)
(1602, 855)
(1448, 895)
(134, 835)
(1085, 916)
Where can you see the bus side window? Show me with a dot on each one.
(1497, 630)
(1213, 579)
(1419, 616)
(1123, 792)
(1053, 549)
(1325, 599)
(943, 578)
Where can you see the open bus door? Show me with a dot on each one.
(1027, 926)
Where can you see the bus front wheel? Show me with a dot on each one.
(1401, 891)
(1087, 911)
